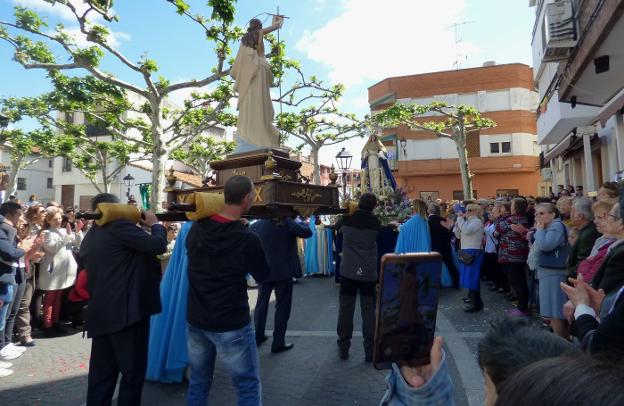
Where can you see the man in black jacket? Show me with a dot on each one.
(279, 240)
(123, 283)
(441, 241)
(358, 273)
(221, 252)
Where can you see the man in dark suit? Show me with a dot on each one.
(441, 241)
(123, 283)
(279, 240)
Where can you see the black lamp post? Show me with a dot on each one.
(128, 180)
(344, 163)
(403, 143)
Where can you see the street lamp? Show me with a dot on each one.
(344, 163)
(128, 180)
(403, 143)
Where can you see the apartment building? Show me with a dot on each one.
(579, 73)
(504, 159)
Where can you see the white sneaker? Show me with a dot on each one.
(15, 348)
(5, 372)
(5, 365)
(7, 354)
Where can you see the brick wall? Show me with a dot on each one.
(457, 81)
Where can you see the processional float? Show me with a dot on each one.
(279, 188)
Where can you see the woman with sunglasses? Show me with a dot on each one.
(551, 239)
(469, 229)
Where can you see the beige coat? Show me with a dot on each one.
(58, 267)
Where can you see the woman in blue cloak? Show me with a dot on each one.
(168, 355)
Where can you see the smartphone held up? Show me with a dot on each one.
(407, 306)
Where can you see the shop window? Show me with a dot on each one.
(507, 192)
(459, 195)
(429, 197)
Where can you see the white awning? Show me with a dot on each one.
(611, 108)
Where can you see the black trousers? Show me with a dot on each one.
(517, 279)
(283, 303)
(349, 289)
(447, 258)
(125, 352)
(75, 311)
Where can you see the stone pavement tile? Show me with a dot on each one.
(54, 372)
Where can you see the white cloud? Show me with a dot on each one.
(319, 5)
(368, 42)
(59, 10)
(114, 39)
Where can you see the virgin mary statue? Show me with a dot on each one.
(376, 172)
(253, 78)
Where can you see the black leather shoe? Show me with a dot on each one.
(344, 353)
(467, 300)
(472, 308)
(260, 340)
(285, 347)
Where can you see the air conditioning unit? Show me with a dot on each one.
(547, 174)
(558, 31)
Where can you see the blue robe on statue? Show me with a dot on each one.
(414, 236)
(168, 354)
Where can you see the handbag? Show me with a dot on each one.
(534, 257)
(465, 257)
(557, 258)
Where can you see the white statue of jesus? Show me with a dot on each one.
(253, 77)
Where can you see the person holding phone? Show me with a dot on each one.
(58, 268)
(358, 273)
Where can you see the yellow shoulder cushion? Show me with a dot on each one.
(116, 211)
(206, 204)
(353, 206)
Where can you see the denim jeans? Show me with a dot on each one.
(237, 350)
(7, 292)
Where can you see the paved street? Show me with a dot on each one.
(54, 372)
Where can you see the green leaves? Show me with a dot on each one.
(149, 66)
(452, 117)
(28, 19)
(98, 33)
(90, 56)
(201, 151)
(181, 6)
(223, 10)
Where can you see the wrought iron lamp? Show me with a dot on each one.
(128, 180)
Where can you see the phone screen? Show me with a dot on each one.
(407, 308)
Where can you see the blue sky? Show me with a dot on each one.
(355, 42)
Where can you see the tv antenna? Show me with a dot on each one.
(459, 56)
